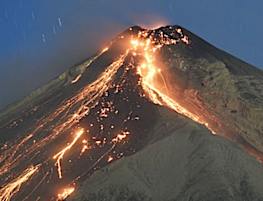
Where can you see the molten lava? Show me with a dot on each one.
(8, 191)
(65, 193)
(149, 74)
(59, 156)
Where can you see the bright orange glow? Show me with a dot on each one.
(84, 141)
(120, 137)
(135, 43)
(65, 193)
(8, 191)
(59, 156)
(84, 148)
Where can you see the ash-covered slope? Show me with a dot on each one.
(159, 114)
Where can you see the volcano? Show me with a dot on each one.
(158, 115)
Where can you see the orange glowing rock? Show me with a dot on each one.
(120, 137)
(110, 158)
(66, 192)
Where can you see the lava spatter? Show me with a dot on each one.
(59, 156)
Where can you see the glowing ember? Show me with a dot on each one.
(120, 137)
(59, 156)
(65, 193)
(110, 158)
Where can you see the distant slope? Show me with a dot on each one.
(41, 94)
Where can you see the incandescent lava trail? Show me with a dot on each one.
(7, 192)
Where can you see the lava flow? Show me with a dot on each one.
(149, 74)
(65, 193)
(103, 107)
(8, 191)
(59, 156)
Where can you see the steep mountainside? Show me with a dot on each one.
(219, 83)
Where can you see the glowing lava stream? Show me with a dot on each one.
(149, 72)
(95, 90)
(65, 193)
(8, 191)
(59, 156)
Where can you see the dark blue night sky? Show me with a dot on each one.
(40, 39)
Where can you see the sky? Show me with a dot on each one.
(41, 39)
